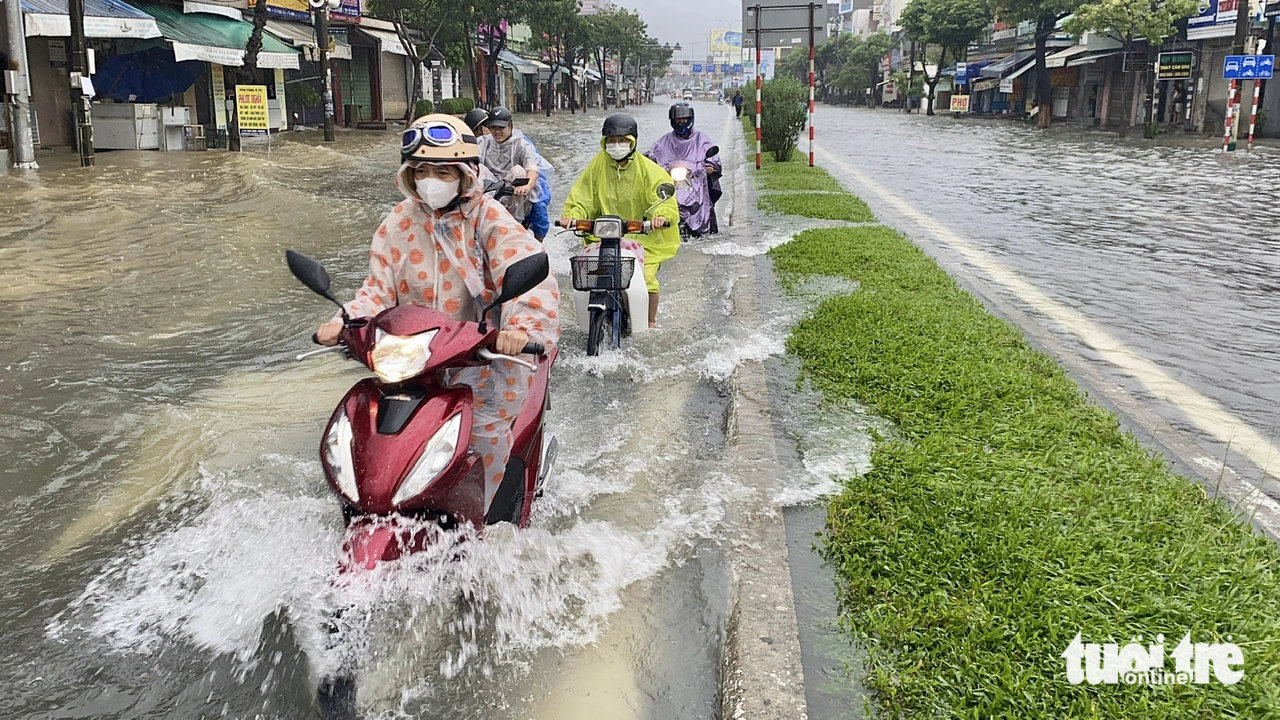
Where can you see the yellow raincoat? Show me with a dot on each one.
(606, 188)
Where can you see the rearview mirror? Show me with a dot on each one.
(310, 272)
(520, 182)
(666, 190)
(713, 151)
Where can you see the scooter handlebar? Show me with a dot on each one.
(534, 348)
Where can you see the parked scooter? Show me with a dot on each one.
(693, 193)
(395, 451)
(610, 294)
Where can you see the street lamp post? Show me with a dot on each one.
(322, 8)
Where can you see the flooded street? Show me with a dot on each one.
(169, 543)
(1172, 252)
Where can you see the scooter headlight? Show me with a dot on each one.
(338, 453)
(435, 458)
(607, 229)
(397, 358)
(680, 174)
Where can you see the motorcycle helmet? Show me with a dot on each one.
(681, 117)
(620, 124)
(439, 138)
(499, 117)
(476, 118)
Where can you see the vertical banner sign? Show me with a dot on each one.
(251, 109)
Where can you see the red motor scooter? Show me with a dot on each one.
(396, 451)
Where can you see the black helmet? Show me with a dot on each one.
(620, 124)
(476, 118)
(499, 117)
(681, 111)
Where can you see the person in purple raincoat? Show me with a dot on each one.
(686, 146)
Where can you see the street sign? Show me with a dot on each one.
(959, 103)
(1248, 67)
(251, 109)
(724, 69)
(1006, 85)
(962, 69)
(697, 68)
(737, 68)
(783, 23)
(1136, 62)
(1174, 65)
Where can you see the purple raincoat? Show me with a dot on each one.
(695, 200)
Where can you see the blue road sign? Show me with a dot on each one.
(1248, 67)
(697, 68)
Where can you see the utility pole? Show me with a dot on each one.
(24, 154)
(1243, 17)
(322, 43)
(79, 73)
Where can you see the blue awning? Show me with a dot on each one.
(102, 19)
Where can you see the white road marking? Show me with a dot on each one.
(1205, 413)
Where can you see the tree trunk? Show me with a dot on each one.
(1044, 88)
(1128, 98)
(933, 82)
(471, 67)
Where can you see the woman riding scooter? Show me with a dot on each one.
(446, 246)
(688, 148)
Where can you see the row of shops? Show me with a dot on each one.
(155, 67)
(1095, 82)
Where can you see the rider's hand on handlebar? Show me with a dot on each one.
(523, 190)
(511, 342)
(328, 332)
(565, 222)
(659, 223)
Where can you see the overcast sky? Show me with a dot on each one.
(686, 21)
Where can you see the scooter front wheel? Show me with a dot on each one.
(595, 331)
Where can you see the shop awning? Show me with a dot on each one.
(102, 19)
(1059, 59)
(216, 39)
(301, 35)
(587, 72)
(517, 63)
(389, 40)
(1000, 68)
(1091, 58)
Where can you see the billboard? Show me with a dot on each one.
(725, 41)
(299, 11)
(782, 23)
(1216, 18)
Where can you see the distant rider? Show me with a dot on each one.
(505, 153)
(618, 181)
(689, 146)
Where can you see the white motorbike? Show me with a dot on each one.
(608, 280)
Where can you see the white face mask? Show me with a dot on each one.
(437, 193)
(617, 150)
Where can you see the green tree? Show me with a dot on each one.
(558, 30)
(616, 33)
(1045, 14)
(860, 63)
(429, 18)
(951, 25)
(1133, 23)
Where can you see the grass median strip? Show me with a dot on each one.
(833, 206)
(1012, 512)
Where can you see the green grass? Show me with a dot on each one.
(792, 176)
(1011, 512)
(833, 206)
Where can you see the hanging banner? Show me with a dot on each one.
(251, 109)
(766, 63)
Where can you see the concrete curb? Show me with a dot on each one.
(762, 677)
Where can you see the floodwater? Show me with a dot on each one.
(167, 541)
(1172, 248)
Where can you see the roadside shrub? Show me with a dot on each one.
(301, 94)
(424, 107)
(457, 106)
(783, 116)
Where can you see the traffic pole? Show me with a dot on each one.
(1226, 122)
(79, 73)
(18, 90)
(1253, 113)
(812, 80)
(326, 73)
(759, 90)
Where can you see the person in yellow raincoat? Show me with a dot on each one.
(620, 181)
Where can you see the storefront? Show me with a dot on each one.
(389, 67)
(48, 29)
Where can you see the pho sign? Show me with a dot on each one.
(959, 103)
(1174, 66)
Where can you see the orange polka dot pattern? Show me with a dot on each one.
(454, 262)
